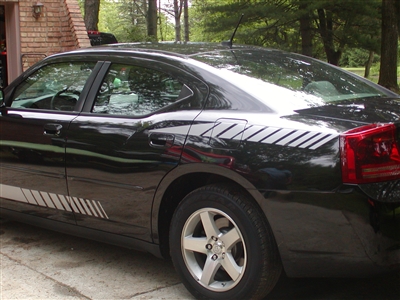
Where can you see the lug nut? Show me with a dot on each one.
(208, 246)
(214, 257)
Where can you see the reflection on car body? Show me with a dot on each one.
(236, 163)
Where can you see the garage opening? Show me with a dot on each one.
(3, 49)
(10, 42)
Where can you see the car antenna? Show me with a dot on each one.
(230, 42)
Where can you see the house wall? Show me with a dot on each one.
(12, 42)
(59, 28)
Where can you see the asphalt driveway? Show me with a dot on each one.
(41, 264)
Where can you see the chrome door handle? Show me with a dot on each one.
(52, 129)
(161, 140)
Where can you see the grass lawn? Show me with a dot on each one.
(373, 74)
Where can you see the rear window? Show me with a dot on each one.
(303, 81)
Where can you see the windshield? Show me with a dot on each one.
(305, 82)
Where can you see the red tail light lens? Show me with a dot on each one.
(370, 154)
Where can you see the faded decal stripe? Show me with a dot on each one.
(28, 196)
(10, 192)
(78, 205)
(53, 201)
(312, 141)
(38, 198)
(198, 129)
(291, 137)
(57, 202)
(73, 206)
(276, 136)
(303, 139)
(221, 129)
(322, 142)
(100, 213)
(102, 210)
(252, 131)
(64, 202)
(234, 130)
(240, 134)
(91, 208)
(85, 207)
(263, 135)
(47, 200)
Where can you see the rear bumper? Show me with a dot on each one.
(334, 234)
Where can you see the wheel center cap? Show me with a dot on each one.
(217, 248)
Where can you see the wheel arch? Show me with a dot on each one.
(180, 182)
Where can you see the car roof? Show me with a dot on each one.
(167, 48)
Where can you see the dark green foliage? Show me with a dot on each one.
(334, 25)
(356, 58)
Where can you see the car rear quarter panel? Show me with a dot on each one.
(322, 227)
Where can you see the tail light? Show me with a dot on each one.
(370, 154)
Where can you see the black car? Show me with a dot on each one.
(100, 38)
(238, 163)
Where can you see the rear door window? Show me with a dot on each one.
(139, 91)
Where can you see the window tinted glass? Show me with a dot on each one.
(137, 91)
(269, 74)
(55, 87)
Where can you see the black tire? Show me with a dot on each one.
(222, 246)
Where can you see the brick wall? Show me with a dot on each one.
(60, 28)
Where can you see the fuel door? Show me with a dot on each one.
(227, 133)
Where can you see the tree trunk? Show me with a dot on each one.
(91, 18)
(389, 46)
(152, 20)
(160, 22)
(186, 19)
(305, 30)
(177, 16)
(369, 64)
(326, 32)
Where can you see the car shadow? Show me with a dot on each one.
(106, 263)
(377, 288)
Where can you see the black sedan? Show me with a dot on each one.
(238, 163)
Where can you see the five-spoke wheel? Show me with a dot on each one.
(213, 249)
(222, 246)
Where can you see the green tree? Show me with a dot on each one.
(177, 16)
(166, 31)
(127, 20)
(306, 29)
(389, 49)
(346, 24)
(91, 14)
(174, 9)
(304, 26)
(186, 20)
(151, 18)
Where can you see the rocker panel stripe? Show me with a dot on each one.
(54, 201)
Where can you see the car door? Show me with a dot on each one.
(115, 159)
(33, 124)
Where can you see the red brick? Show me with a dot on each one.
(59, 28)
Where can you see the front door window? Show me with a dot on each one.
(53, 87)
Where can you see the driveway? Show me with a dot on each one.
(41, 264)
